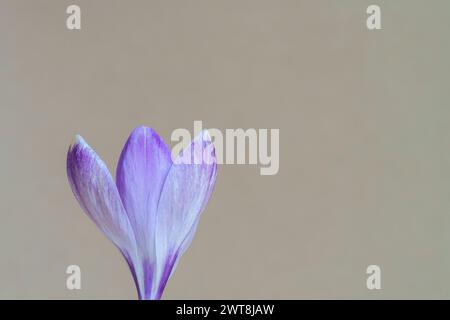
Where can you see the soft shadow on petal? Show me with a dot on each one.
(185, 194)
(142, 169)
(95, 190)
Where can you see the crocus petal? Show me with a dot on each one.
(152, 212)
(185, 194)
(95, 190)
(143, 166)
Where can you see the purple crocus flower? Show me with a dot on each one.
(152, 211)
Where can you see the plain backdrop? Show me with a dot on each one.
(364, 121)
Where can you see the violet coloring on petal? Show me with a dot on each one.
(152, 211)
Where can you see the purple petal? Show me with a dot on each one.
(97, 194)
(141, 171)
(185, 194)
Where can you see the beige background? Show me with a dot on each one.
(364, 121)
